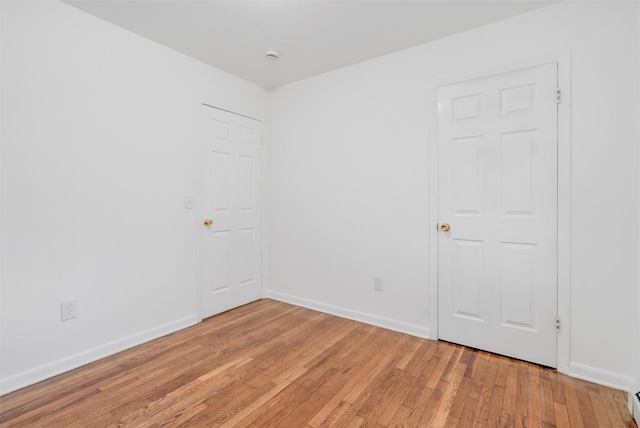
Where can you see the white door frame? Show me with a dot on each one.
(563, 59)
(200, 215)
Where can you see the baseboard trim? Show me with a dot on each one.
(341, 312)
(55, 368)
(600, 376)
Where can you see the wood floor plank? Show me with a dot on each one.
(460, 400)
(510, 391)
(546, 397)
(607, 399)
(621, 401)
(486, 384)
(442, 412)
(271, 364)
(250, 413)
(522, 397)
(494, 417)
(573, 405)
(392, 402)
(599, 409)
(561, 415)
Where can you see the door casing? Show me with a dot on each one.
(563, 59)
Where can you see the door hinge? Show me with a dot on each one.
(558, 96)
(558, 324)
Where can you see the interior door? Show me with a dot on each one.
(497, 207)
(230, 237)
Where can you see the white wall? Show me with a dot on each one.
(350, 190)
(98, 149)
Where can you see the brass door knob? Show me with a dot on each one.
(445, 227)
(208, 222)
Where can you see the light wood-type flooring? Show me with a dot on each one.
(270, 364)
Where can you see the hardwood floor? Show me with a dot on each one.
(276, 365)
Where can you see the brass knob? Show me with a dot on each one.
(208, 222)
(445, 227)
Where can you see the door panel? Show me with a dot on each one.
(467, 279)
(230, 248)
(497, 265)
(467, 176)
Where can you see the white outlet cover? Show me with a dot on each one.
(68, 310)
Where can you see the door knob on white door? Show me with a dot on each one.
(445, 227)
(208, 222)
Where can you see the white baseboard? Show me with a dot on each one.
(378, 321)
(55, 368)
(601, 377)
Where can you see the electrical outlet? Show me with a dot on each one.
(68, 310)
(377, 283)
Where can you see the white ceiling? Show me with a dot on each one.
(313, 36)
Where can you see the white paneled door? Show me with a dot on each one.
(497, 208)
(229, 211)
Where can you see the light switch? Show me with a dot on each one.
(188, 202)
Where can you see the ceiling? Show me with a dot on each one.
(313, 36)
